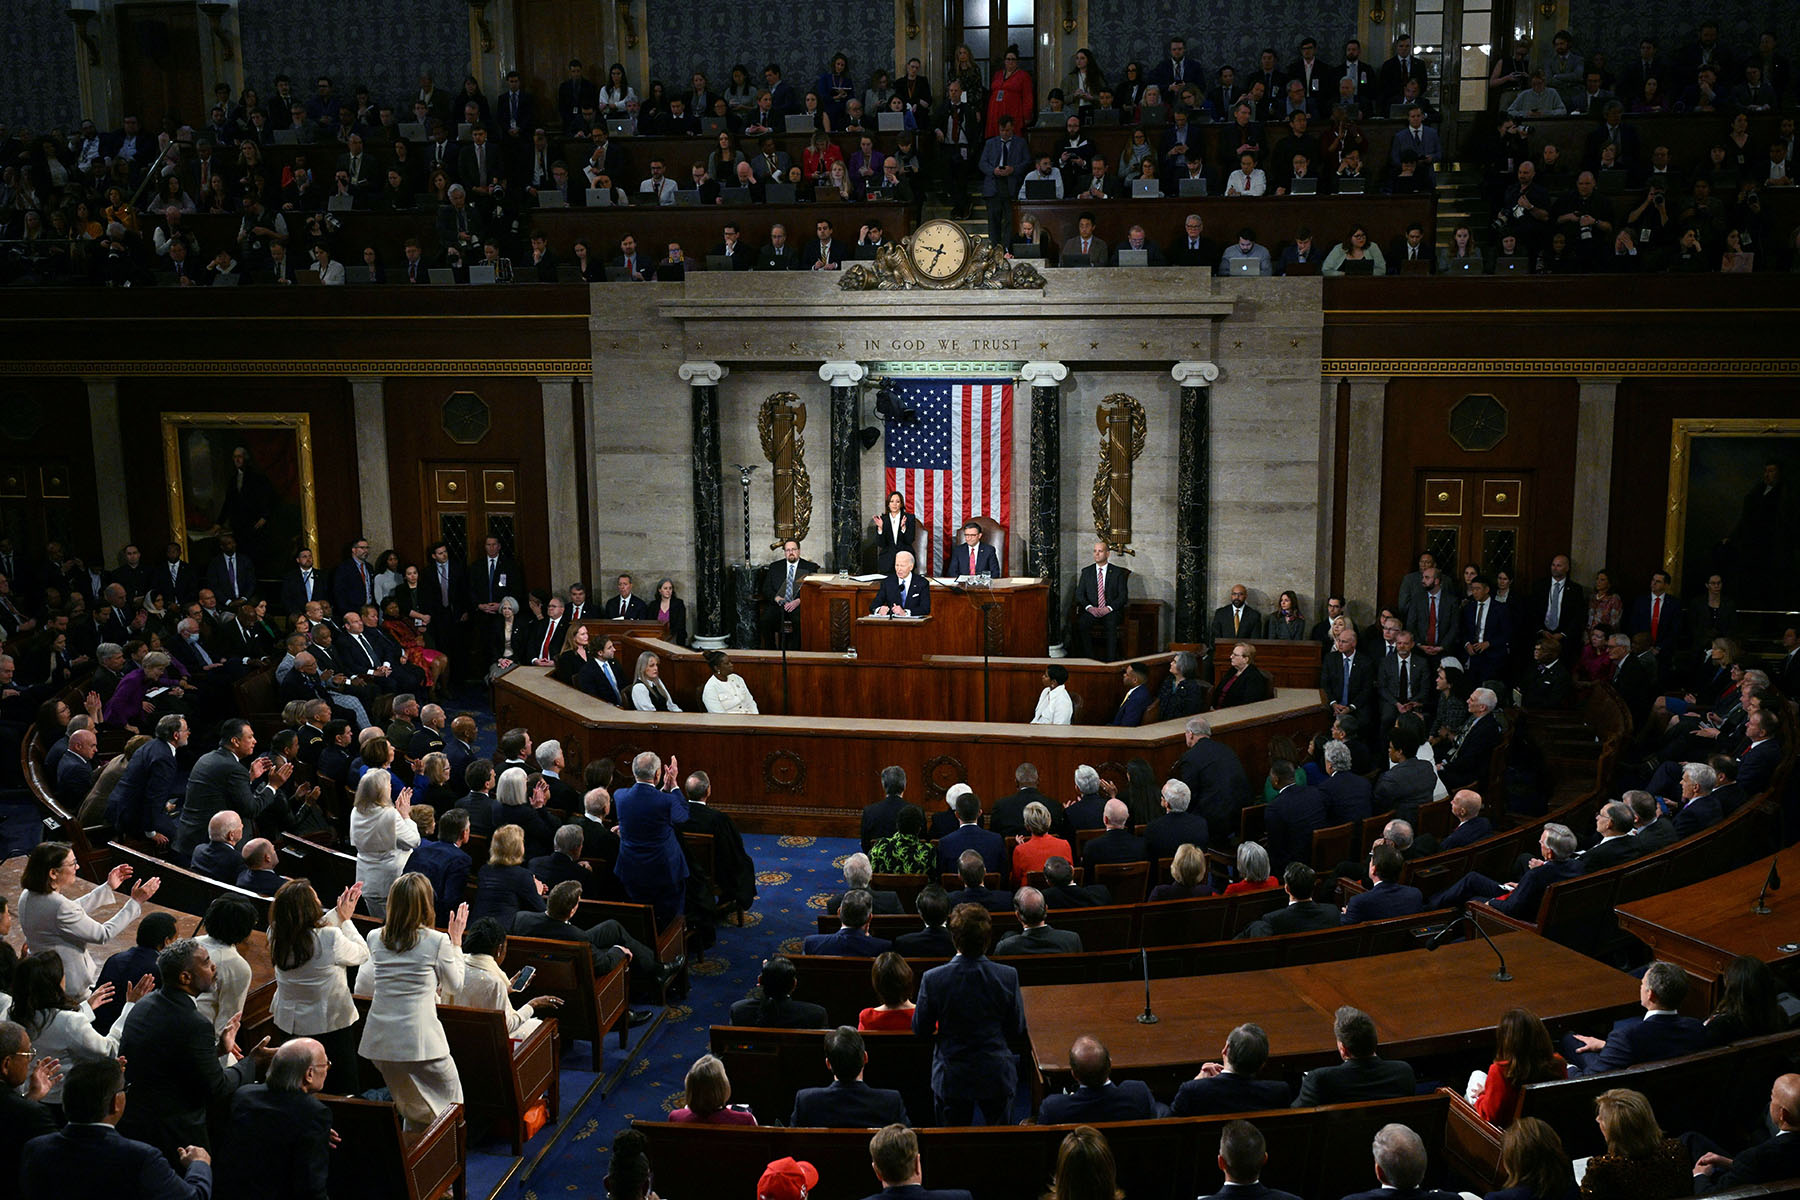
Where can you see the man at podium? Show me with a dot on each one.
(904, 593)
(973, 557)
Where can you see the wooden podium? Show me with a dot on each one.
(834, 615)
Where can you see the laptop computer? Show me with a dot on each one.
(1145, 189)
(553, 198)
(1040, 189)
(645, 199)
(620, 126)
(1076, 260)
(1611, 181)
(412, 131)
(719, 262)
(308, 279)
(1051, 119)
(1103, 116)
(616, 273)
(287, 137)
(463, 129)
(714, 126)
(1134, 258)
(339, 203)
(1467, 266)
(778, 193)
(1246, 266)
(1191, 187)
(1512, 265)
(599, 198)
(1356, 185)
(358, 275)
(230, 279)
(1303, 187)
(734, 195)
(1357, 266)
(798, 123)
(481, 273)
(890, 122)
(1397, 112)
(440, 274)
(688, 198)
(1027, 250)
(568, 274)
(671, 272)
(1153, 116)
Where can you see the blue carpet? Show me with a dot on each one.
(794, 875)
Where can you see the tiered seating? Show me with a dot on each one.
(379, 1160)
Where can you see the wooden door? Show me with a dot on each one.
(160, 72)
(989, 27)
(549, 34)
(1475, 516)
(467, 502)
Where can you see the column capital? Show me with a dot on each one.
(1044, 374)
(842, 374)
(1611, 381)
(1194, 373)
(702, 373)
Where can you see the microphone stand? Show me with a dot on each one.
(981, 597)
(1146, 1017)
(1503, 975)
(1773, 882)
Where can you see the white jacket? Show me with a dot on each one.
(314, 998)
(52, 921)
(403, 1024)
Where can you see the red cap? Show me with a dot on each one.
(787, 1179)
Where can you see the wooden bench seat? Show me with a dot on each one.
(184, 889)
(379, 1160)
(768, 1067)
(329, 870)
(593, 1005)
(503, 1078)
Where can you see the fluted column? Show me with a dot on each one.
(845, 379)
(1598, 399)
(1043, 539)
(1193, 496)
(709, 506)
(368, 397)
(109, 465)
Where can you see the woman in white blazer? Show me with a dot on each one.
(52, 921)
(310, 948)
(230, 920)
(62, 1028)
(382, 830)
(409, 964)
(485, 985)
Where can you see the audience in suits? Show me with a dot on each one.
(847, 1101)
(1035, 936)
(1363, 1074)
(1096, 1097)
(1231, 1084)
(1662, 1032)
(972, 1004)
(1387, 896)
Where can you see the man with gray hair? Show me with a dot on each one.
(281, 1139)
(1088, 809)
(1215, 778)
(651, 866)
(564, 862)
(1035, 935)
(1613, 823)
(1363, 1074)
(599, 840)
(1348, 796)
(1556, 844)
(1400, 1164)
(858, 871)
(1699, 808)
(1467, 764)
(1662, 1032)
(219, 856)
(879, 820)
(1177, 826)
(550, 761)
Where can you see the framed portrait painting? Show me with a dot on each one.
(1733, 507)
(247, 475)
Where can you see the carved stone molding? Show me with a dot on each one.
(702, 373)
(842, 374)
(784, 771)
(1194, 373)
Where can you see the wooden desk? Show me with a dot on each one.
(1017, 626)
(599, 631)
(1705, 925)
(1422, 1003)
(1287, 664)
(1274, 218)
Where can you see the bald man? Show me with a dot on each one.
(1116, 843)
(1777, 1158)
(219, 857)
(1095, 1096)
(75, 769)
(1471, 826)
(280, 1141)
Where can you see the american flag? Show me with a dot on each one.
(955, 462)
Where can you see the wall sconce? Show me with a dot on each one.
(1069, 16)
(1547, 9)
(478, 10)
(82, 12)
(216, 11)
(629, 23)
(1378, 14)
(912, 21)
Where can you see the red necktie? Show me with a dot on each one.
(548, 634)
(1655, 615)
(971, 560)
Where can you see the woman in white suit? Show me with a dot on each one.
(485, 985)
(52, 921)
(310, 948)
(383, 832)
(409, 964)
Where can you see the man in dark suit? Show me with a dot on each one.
(1348, 796)
(221, 781)
(1302, 915)
(280, 1134)
(933, 941)
(258, 874)
(852, 939)
(1088, 809)
(1761, 754)
(969, 835)
(781, 592)
(564, 864)
(90, 1158)
(608, 944)
(1035, 936)
(1177, 826)
(972, 871)
(172, 1056)
(1096, 1097)
(779, 254)
(1548, 685)
(444, 861)
(1230, 1085)
(493, 577)
(1348, 678)
(1471, 826)
(1467, 763)
(1403, 681)
(1647, 65)
(1363, 1074)
(1400, 1164)
(1398, 70)
(1556, 844)
(1786, 674)
(894, 1155)
(1662, 1032)
(74, 770)
(973, 1004)
(1102, 594)
(1061, 891)
(733, 876)
(879, 819)
(231, 574)
(1242, 1156)
(1235, 621)
(1559, 605)
(22, 1115)
(1296, 811)
(1177, 69)
(444, 588)
(974, 556)
(303, 584)
(847, 1102)
(175, 580)
(574, 94)
(1657, 614)
(1008, 816)
(1698, 809)
(1387, 896)
(353, 581)
(1486, 637)
(1616, 845)
(1768, 1161)
(1215, 780)
(1118, 844)
(1650, 829)
(218, 857)
(904, 593)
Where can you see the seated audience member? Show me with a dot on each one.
(1662, 1032)
(726, 691)
(1252, 870)
(1348, 796)
(1036, 844)
(1243, 1153)
(443, 860)
(1363, 1075)
(485, 985)
(970, 836)
(1061, 891)
(505, 887)
(1188, 874)
(1387, 896)
(281, 1137)
(1095, 1096)
(1557, 846)
(892, 979)
(1522, 1054)
(1639, 1161)
(972, 871)
(1614, 823)
(1471, 826)
(1116, 844)
(564, 863)
(1231, 1085)
(776, 1008)
(1178, 824)
(608, 942)
(847, 1102)
(903, 852)
(894, 1156)
(1302, 913)
(125, 967)
(1035, 935)
(1054, 707)
(219, 857)
(1400, 1165)
(708, 1097)
(25, 1080)
(1765, 1162)
(259, 874)
(853, 938)
(89, 1157)
(858, 871)
(1749, 1005)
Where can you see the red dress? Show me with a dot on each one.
(412, 644)
(895, 1020)
(1030, 853)
(1498, 1103)
(1245, 885)
(1011, 96)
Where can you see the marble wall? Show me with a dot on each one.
(353, 42)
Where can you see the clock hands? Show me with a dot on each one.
(936, 252)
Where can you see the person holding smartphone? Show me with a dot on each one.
(485, 985)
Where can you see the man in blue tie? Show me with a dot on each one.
(605, 680)
(904, 593)
(302, 585)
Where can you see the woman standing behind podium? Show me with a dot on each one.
(668, 608)
(895, 530)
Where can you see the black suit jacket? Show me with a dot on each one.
(1777, 1158)
(172, 1068)
(878, 819)
(1372, 1078)
(1303, 917)
(624, 608)
(507, 581)
(1118, 588)
(93, 1162)
(1114, 846)
(1220, 788)
(987, 561)
(279, 1145)
(778, 258)
(1249, 625)
(918, 595)
(1227, 1092)
(1609, 853)
(1292, 816)
(1362, 679)
(1247, 687)
(1468, 762)
(847, 1105)
(774, 578)
(20, 1121)
(932, 942)
(1170, 831)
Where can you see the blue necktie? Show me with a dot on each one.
(1346, 700)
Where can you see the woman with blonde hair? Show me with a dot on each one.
(709, 1097)
(409, 963)
(434, 776)
(1085, 1169)
(647, 691)
(1038, 844)
(1188, 870)
(310, 948)
(381, 827)
(1639, 1161)
(505, 887)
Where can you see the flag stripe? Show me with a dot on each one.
(954, 462)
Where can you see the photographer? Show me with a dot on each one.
(1649, 223)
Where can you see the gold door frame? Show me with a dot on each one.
(1683, 430)
(174, 423)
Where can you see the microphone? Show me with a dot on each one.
(1146, 1017)
(1503, 975)
(1771, 884)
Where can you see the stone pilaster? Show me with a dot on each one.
(1193, 496)
(1362, 494)
(368, 399)
(109, 466)
(1598, 401)
(709, 505)
(845, 379)
(1044, 535)
(560, 484)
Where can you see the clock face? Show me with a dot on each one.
(939, 250)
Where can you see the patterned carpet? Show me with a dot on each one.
(794, 875)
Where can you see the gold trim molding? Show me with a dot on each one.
(174, 423)
(1682, 432)
(288, 368)
(1628, 368)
